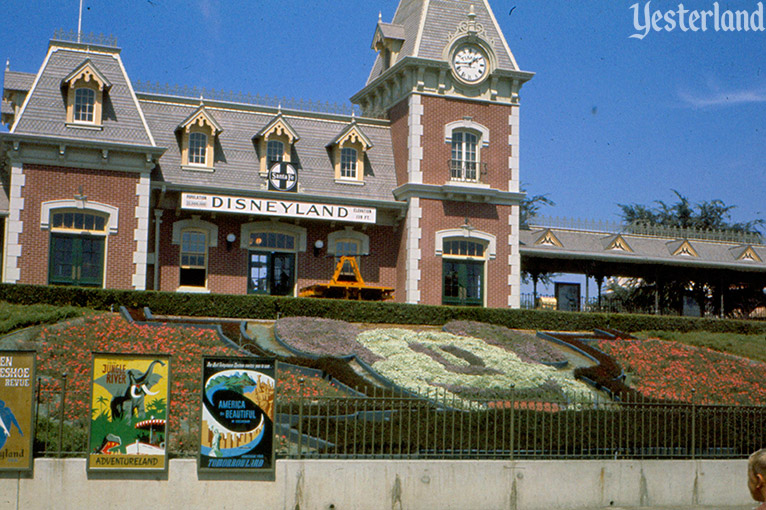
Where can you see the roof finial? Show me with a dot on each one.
(7, 64)
(279, 107)
(380, 16)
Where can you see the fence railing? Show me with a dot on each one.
(606, 226)
(440, 425)
(467, 171)
(591, 304)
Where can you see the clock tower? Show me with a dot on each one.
(448, 83)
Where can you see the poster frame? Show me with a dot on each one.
(261, 473)
(129, 357)
(31, 425)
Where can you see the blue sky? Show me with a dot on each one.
(608, 119)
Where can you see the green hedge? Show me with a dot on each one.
(268, 307)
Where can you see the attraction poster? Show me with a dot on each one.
(129, 412)
(237, 414)
(17, 391)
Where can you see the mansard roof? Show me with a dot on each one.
(586, 245)
(427, 27)
(44, 109)
(15, 80)
(236, 155)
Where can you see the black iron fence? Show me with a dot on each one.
(441, 425)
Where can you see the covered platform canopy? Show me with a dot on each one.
(722, 262)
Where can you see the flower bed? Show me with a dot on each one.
(528, 347)
(678, 372)
(461, 376)
(65, 348)
(322, 337)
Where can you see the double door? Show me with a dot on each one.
(271, 273)
(76, 260)
(463, 282)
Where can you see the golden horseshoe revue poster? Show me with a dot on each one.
(17, 389)
(237, 414)
(129, 412)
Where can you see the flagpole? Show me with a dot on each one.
(79, 23)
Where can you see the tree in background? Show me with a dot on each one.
(530, 206)
(707, 215)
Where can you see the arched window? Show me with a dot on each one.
(84, 104)
(464, 161)
(197, 148)
(348, 160)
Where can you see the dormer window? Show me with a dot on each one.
(348, 152)
(85, 88)
(388, 41)
(275, 143)
(198, 133)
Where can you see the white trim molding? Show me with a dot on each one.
(348, 233)
(196, 222)
(466, 232)
(514, 259)
(13, 225)
(247, 229)
(112, 212)
(466, 125)
(414, 139)
(141, 232)
(412, 265)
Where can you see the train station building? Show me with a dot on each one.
(119, 184)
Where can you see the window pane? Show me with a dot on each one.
(197, 148)
(84, 100)
(78, 221)
(348, 163)
(275, 151)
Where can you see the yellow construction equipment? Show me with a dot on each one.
(347, 283)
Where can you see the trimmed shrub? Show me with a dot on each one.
(269, 307)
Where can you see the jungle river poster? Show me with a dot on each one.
(129, 412)
(17, 391)
(237, 429)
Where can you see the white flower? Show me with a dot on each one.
(415, 370)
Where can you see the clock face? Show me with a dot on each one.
(470, 63)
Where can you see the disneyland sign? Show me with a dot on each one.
(272, 207)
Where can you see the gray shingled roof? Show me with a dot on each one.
(594, 245)
(236, 163)
(428, 24)
(6, 107)
(44, 112)
(15, 80)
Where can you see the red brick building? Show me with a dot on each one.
(114, 185)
